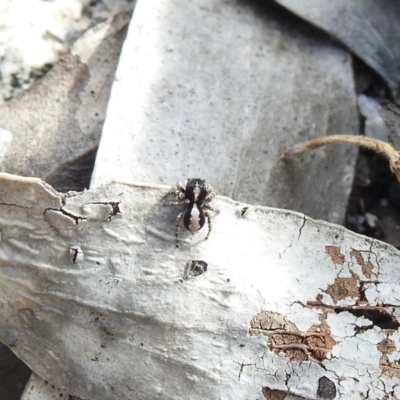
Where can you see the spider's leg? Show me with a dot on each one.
(178, 220)
(210, 198)
(173, 191)
(176, 203)
(210, 189)
(180, 190)
(180, 187)
(210, 194)
(210, 207)
(209, 223)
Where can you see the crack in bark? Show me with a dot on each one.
(302, 226)
(378, 315)
(13, 205)
(114, 205)
(76, 218)
(242, 365)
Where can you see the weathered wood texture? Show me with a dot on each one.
(59, 119)
(370, 29)
(221, 96)
(287, 304)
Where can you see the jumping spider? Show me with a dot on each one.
(196, 195)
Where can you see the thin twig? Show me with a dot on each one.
(283, 332)
(304, 348)
(373, 144)
(299, 346)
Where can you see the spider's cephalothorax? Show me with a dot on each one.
(196, 195)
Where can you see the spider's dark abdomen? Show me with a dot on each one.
(194, 218)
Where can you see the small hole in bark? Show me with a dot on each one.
(195, 268)
(243, 211)
(326, 389)
(363, 297)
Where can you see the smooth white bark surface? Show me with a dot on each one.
(287, 303)
(217, 91)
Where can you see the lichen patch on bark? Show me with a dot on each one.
(342, 288)
(284, 337)
(272, 394)
(366, 267)
(334, 253)
(388, 368)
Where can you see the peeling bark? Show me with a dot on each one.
(105, 312)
